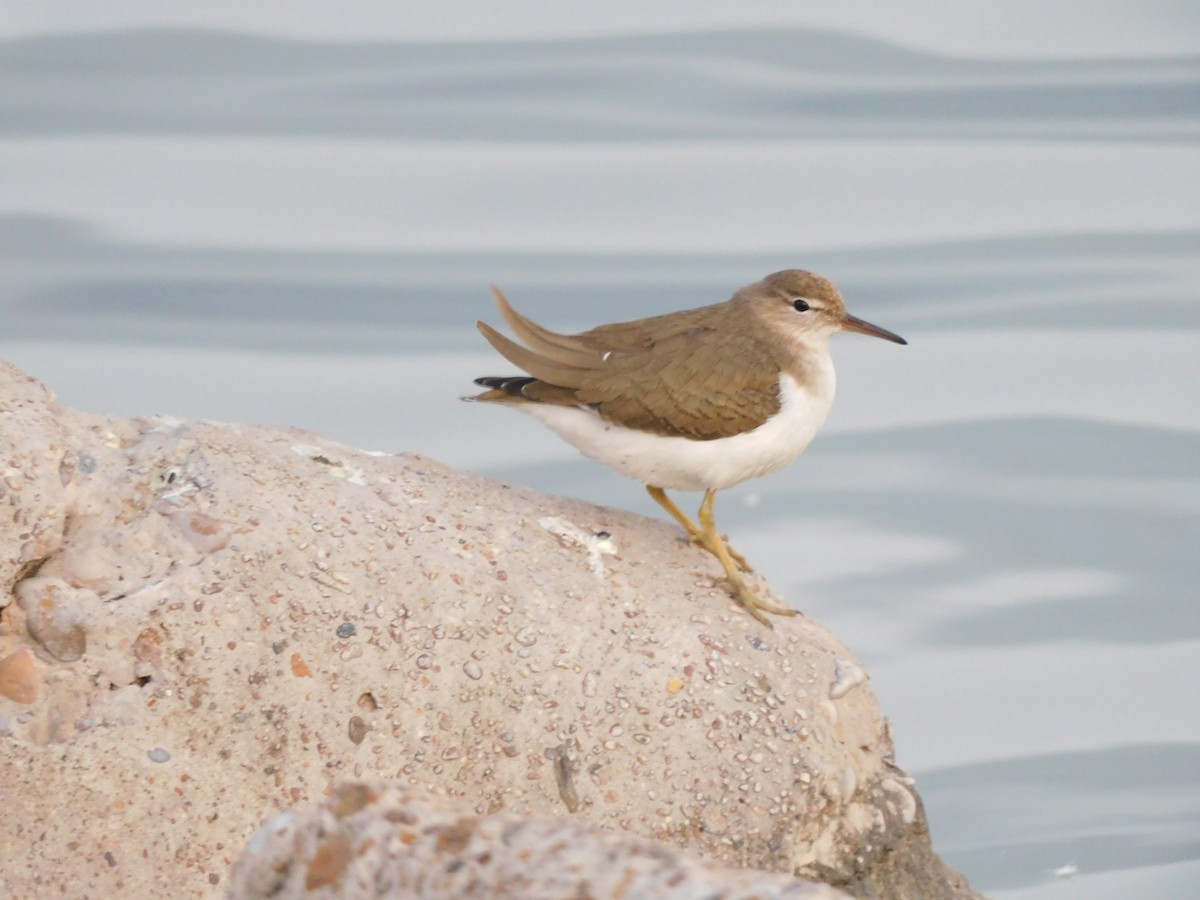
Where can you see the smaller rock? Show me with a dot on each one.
(158, 755)
(349, 844)
(55, 613)
(19, 678)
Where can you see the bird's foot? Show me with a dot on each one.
(754, 604)
(733, 564)
(706, 535)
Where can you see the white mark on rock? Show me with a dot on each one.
(905, 801)
(596, 544)
(590, 680)
(847, 676)
(329, 460)
(831, 710)
(848, 784)
(1070, 870)
(166, 424)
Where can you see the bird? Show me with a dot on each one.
(694, 400)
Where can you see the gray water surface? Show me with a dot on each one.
(1001, 519)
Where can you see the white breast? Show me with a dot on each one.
(687, 465)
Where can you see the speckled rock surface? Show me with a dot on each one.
(202, 625)
(389, 839)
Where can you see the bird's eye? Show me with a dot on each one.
(801, 304)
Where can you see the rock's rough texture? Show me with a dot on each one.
(373, 839)
(213, 623)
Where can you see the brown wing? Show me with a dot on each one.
(684, 374)
(675, 387)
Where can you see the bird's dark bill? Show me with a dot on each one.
(853, 323)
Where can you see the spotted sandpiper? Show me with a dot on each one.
(695, 400)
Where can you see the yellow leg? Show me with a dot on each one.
(705, 534)
(695, 533)
(713, 542)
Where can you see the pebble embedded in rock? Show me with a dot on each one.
(158, 755)
(55, 613)
(19, 678)
(203, 532)
(347, 630)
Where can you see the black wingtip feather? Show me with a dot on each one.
(512, 384)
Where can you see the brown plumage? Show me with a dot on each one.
(644, 375)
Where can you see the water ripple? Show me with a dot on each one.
(784, 83)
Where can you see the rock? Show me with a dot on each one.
(370, 834)
(269, 614)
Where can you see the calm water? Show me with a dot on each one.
(1003, 519)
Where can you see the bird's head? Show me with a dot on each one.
(807, 307)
